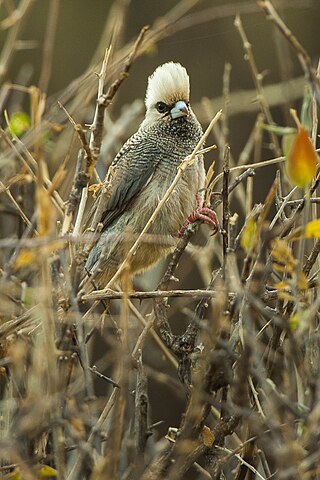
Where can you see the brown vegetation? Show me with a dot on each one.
(230, 359)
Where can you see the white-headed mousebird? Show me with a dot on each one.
(141, 173)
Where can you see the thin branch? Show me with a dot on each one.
(257, 78)
(48, 44)
(302, 54)
(110, 294)
(87, 161)
(8, 50)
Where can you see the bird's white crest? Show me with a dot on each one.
(169, 83)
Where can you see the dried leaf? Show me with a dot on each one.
(207, 437)
(302, 282)
(95, 188)
(286, 296)
(210, 174)
(285, 288)
(281, 286)
(78, 425)
(46, 213)
(283, 255)
(38, 103)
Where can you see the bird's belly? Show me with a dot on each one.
(177, 207)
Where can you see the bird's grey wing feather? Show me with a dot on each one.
(133, 168)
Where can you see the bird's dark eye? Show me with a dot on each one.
(162, 107)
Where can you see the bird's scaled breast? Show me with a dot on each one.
(174, 145)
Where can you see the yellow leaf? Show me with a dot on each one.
(248, 234)
(28, 256)
(43, 471)
(302, 159)
(46, 471)
(313, 229)
(280, 268)
(286, 296)
(281, 286)
(95, 188)
(25, 258)
(302, 282)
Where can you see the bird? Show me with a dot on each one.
(140, 175)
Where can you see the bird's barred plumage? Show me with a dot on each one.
(142, 172)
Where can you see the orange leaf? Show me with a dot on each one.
(302, 159)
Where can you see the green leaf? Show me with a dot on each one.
(19, 123)
(280, 131)
(306, 109)
(287, 142)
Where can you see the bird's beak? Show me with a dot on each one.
(180, 109)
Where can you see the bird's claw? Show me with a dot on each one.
(205, 214)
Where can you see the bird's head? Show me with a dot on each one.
(167, 97)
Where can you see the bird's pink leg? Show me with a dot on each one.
(205, 214)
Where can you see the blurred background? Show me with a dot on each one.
(59, 46)
(203, 39)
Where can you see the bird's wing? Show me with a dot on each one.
(131, 169)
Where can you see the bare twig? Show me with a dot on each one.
(257, 78)
(302, 54)
(48, 45)
(8, 50)
(87, 160)
(102, 294)
(225, 203)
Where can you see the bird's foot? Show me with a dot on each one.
(205, 214)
